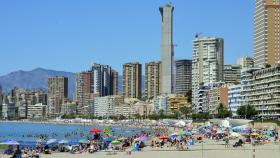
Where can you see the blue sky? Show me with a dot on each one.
(70, 35)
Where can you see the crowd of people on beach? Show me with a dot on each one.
(170, 138)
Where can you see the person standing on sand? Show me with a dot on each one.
(17, 153)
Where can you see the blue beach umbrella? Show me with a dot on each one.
(9, 142)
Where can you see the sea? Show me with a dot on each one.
(28, 134)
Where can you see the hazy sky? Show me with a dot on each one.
(70, 35)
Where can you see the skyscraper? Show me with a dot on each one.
(266, 32)
(57, 93)
(83, 89)
(132, 78)
(167, 51)
(115, 82)
(152, 79)
(101, 75)
(207, 64)
(183, 76)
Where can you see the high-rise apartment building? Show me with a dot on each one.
(101, 75)
(183, 76)
(232, 74)
(167, 50)
(57, 92)
(267, 32)
(245, 62)
(132, 78)
(114, 82)
(207, 64)
(261, 89)
(152, 79)
(83, 89)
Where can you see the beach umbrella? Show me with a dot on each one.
(122, 138)
(83, 141)
(143, 138)
(163, 137)
(235, 134)
(9, 142)
(115, 142)
(174, 134)
(199, 136)
(74, 141)
(51, 141)
(254, 134)
(108, 139)
(63, 142)
(95, 130)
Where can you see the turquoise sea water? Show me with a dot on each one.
(27, 134)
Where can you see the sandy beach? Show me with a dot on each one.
(211, 149)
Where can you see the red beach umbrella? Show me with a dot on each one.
(95, 130)
(163, 137)
(199, 136)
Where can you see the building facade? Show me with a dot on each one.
(105, 106)
(57, 93)
(245, 62)
(115, 82)
(234, 98)
(176, 102)
(216, 97)
(261, 89)
(101, 80)
(167, 50)
(132, 80)
(36, 111)
(83, 89)
(159, 103)
(266, 32)
(183, 76)
(232, 74)
(152, 79)
(207, 65)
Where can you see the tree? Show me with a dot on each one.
(267, 66)
(222, 111)
(246, 111)
(189, 96)
(251, 111)
(185, 110)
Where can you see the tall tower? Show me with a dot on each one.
(132, 80)
(266, 32)
(167, 52)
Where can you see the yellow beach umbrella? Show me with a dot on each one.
(254, 134)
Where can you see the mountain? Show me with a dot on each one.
(35, 79)
(38, 79)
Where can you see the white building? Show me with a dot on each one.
(245, 62)
(234, 98)
(8, 110)
(105, 106)
(69, 108)
(207, 65)
(160, 103)
(36, 111)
